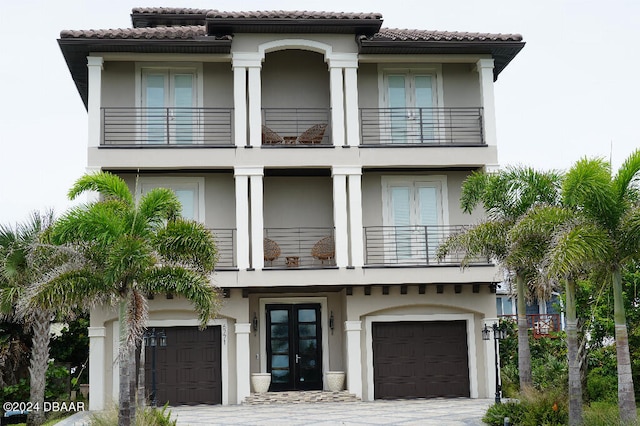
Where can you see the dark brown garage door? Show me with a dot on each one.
(189, 368)
(420, 359)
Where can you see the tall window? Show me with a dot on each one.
(190, 193)
(168, 98)
(414, 215)
(411, 97)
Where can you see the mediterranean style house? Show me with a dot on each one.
(326, 154)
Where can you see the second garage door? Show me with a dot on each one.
(420, 359)
(189, 368)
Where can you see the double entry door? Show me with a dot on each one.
(294, 346)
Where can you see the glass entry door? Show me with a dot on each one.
(294, 346)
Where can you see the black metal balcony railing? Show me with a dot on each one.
(167, 126)
(542, 325)
(296, 126)
(299, 248)
(409, 245)
(225, 243)
(426, 126)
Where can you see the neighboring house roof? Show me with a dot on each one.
(185, 30)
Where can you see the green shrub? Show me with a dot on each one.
(603, 414)
(496, 413)
(548, 407)
(147, 416)
(600, 386)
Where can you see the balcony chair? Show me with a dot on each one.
(324, 249)
(271, 250)
(313, 134)
(270, 137)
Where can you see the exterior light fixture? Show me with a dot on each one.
(254, 323)
(153, 339)
(499, 333)
(331, 322)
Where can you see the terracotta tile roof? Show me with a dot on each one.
(394, 34)
(296, 14)
(158, 33)
(169, 11)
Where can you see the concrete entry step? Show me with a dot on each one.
(294, 397)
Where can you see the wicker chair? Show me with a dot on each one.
(324, 249)
(313, 134)
(271, 250)
(270, 137)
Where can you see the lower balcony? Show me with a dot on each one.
(542, 325)
(410, 245)
(307, 247)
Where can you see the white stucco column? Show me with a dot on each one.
(485, 73)
(355, 217)
(337, 104)
(351, 105)
(340, 218)
(257, 219)
(352, 330)
(242, 219)
(240, 105)
(97, 367)
(255, 106)
(94, 65)
(243, 363)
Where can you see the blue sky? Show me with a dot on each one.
(573, 90)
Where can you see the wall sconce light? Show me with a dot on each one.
(254, 323)
(331, 322)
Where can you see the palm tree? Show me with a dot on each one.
(506, 196)
(572, 247)
(24, 262)
(133, 249)
(612, 205)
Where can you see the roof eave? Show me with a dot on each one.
(76, 50)
(502, 52)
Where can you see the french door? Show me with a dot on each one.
(168, 101)
(294, 346)
(413, 216)
(411, 99)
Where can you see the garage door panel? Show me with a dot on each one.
(420, 359)
(188, 369)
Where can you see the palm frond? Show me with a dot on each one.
(579, 247)
(159, 205)
(106, 184)
(187, 243)
(189, 284)
(77, 288)
(486, 239)
(472, 190)
(587, 187)
(98, 223)
(625, 183)
(629, 234)
(127, 258)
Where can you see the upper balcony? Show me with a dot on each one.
(421, 126)
(167, 126)
(287, 127)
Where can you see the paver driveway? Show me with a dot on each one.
(441, 412)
